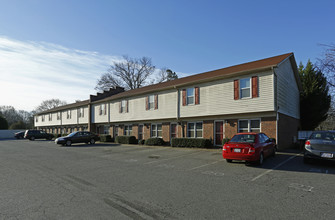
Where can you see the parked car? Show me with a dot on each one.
(320, 145)
(78, 137)
(37, 134)
(250, 147)
(19, 135)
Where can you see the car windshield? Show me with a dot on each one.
(72, 134)
(249, 138)
(323, 135)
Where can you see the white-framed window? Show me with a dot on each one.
(36, 119)
(50, 117)
(43, 117)
(151, 103)
(81, 112)
(58, 115)
(128, 130)
(190, 96)
(68, 114)
(249, 125)
(103, 109)
(194, 129)
(156, 130)
(123, 106)
(245, 88)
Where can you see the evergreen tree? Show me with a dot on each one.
(314, 99)
(3, 123)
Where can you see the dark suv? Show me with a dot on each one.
(37, 134)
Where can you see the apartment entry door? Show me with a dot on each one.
(219, 132)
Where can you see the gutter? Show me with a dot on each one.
(276, 104)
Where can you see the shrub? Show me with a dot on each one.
(191, 142)
(155, 142)
(141, 142)
(62, 135)
(56, 135)
(106, 138)
(126, 140)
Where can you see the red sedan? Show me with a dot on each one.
(250, 147)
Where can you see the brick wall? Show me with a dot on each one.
(268, 126)
(179, 131)
(231, 128)
(146, 131)
(208, 129)
(135, 130)
(166, 132)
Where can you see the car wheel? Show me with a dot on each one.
(92, 141)
(261, 159)
(32, 138)
(229, 160)
(68, 143)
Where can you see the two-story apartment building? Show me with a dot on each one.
(260, 96)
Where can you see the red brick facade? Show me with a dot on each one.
(268, 127)
(208, 129)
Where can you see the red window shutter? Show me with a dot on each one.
(254, 86)
(156, 101)
(127, 106)
(236, 88)
(196, 90)
(184, 97)
(120, 107)
(147, 103)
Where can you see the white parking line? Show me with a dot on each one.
(208, 164)
(268, 171)
(171, 158)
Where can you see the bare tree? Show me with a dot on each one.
(166, 74)
(49, 104)
(14, 116)
(131, 73)
(327, 64)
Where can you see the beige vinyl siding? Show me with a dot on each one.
(287, 90)
(217, 98)
(167, 108)
(83, 120)
(46, 121)
(96, 117)
(69, 121)
(54, 120)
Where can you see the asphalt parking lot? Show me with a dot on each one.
(41, 180)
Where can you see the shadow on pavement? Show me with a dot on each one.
(293, 161)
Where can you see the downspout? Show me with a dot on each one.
(275, 88)
(178, 104)
(109, 111)
(178, 112)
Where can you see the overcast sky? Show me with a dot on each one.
(58, 49)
